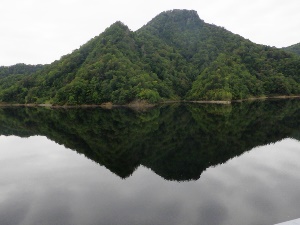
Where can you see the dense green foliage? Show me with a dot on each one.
(177, 142)
(293, 48)
(175, 56)
(19, 69)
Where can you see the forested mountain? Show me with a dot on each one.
(176, 56)
(293, 48)
(19, 69)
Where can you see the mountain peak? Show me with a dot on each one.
(115, 32)
(181, 18)
(180, 13)
(183, 12)
(118, 25)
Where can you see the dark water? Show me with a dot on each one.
(174, 164)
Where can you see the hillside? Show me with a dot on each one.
(176, 56)
(293, 48)
(19, 69)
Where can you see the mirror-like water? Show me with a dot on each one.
(177, 164)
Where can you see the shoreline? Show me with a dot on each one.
(267, 98)
(144, 105)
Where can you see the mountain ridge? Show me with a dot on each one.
(175, 56)
(293, 48)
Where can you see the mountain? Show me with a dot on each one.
(293, 48)
(176, 56)
(19, 69)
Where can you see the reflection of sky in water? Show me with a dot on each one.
(44, 183)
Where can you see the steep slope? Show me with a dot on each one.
(270, 71)
(175, 56)
(198, 42)
(293, 48)
(112, 71)
(110, 67)
(225, 79)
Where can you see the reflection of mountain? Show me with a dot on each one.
(178, 142)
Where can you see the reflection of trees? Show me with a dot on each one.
(177, 142)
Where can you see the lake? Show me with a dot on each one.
(172, 164)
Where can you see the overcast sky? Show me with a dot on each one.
(41, 31)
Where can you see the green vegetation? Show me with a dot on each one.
(19, 69)
(178, 142)
(293, 48)
(176, 56)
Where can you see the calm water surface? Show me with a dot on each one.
(178, 164)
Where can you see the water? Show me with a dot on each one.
(174, 164)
